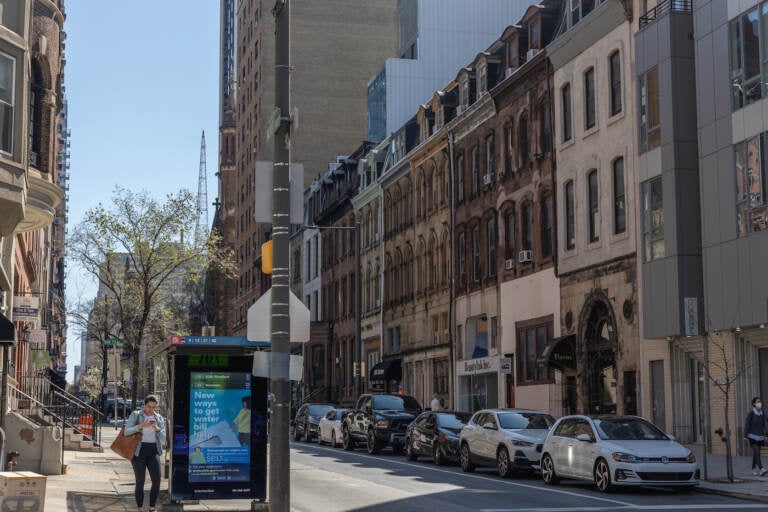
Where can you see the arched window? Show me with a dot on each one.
(546, 225)
(408, 273)
(524, 139)
(398, 273)
(433, 263)
(444, 270)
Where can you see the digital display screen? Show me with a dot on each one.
(219, 447)
(219, 426)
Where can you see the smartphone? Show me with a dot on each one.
(151, 420)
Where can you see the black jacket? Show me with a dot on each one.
(755, 424)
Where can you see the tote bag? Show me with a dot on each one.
(124, 445)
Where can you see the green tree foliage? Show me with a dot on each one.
(137, 249)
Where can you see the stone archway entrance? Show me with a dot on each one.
(599, 348)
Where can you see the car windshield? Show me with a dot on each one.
(452, 419)
(628, 429)
(319, 410)
(525, 420)
(395, 403)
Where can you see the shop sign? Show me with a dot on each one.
(26, 309)
(477, 366)
(505, 365)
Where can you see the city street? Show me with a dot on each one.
(330, 479)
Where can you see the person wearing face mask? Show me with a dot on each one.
(755, 429)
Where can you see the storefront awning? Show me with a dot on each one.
(387, 370)
(560, 353)
(7, 331)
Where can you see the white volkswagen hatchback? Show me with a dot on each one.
(510, 439)
(616, 450)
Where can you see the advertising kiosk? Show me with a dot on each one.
(219, 420)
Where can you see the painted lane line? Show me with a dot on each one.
(484, 479)
(707, 506)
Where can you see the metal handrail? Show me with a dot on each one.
(662, 8)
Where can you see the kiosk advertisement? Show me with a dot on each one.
(220, 421)
(219, 428)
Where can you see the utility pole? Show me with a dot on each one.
(280, 386)
(359, 309)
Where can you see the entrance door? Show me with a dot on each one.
(658, 404)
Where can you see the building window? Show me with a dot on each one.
(751, 209)
(650, 129)
(589, 98)
(494, 332)
(614, 63)
(476, 254)
(545, 129)
(509, 232)
(594, 208)
(462, 260)
(509, 148)
(475, 171)
(489, 163)
(460, 177)
(524, 136)
(531, 342)
(619, 202)
(546, 226)
(7, 85)
(491, 238)
(570, 217)
(744, 38)
(527, 238)
(565, 94)
(653, 219)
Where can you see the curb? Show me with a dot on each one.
(733, 494)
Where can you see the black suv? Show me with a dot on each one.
(305, 425)
(378, 421)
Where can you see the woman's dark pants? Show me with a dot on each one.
(146, 460)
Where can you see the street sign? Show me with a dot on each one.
(114, 341)
(262, 206)
(259, 327)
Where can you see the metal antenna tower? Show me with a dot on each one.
(201, 229)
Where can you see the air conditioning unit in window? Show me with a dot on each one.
(508, 72)
(525, 256)
(509, 263)
(487, 179)
(531, 53)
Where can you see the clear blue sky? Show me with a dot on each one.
(141, 83)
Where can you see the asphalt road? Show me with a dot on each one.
(332, 480)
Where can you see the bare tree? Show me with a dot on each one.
(137, 251)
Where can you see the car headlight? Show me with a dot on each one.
(382, 423)
(623, 457)
(517, 442)
(690, 458)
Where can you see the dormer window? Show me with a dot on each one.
(464, 92)
(534, 34)
(513, 53)
(482, 78)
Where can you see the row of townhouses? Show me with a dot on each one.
(573, 222)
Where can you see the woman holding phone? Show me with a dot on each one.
(152, 428)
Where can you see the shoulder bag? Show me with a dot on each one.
(125, 446)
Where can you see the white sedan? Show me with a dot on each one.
(329, 429)
(510, 439)
(616, 450)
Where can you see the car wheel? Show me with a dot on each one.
(333, 439)
(466, 460)
(602, 476)
(437, 455)
(548, 470)
(409, 453)
(296, 436)
(346, 440)
(373, 445)
(503, 463)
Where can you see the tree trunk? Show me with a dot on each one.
(728, 453)
(135, 375)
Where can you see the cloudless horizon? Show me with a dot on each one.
(141, 85)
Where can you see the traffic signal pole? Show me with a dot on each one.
(279, 448)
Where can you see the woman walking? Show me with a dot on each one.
(152, 428)
(755, 429)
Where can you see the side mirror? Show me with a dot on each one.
(489, 426)
(584, 437)
(367, 410)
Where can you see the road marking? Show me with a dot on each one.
(485, 479)
(630, 507)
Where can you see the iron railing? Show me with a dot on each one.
(663, 7)
(67, 409)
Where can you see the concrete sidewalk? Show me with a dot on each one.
(104, 482)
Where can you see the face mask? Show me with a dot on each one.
(758, 405)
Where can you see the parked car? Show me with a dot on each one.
(329, 428)
(305, 425)
(378, 421)
(616, 450)
(510, 439)
(436, 435)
